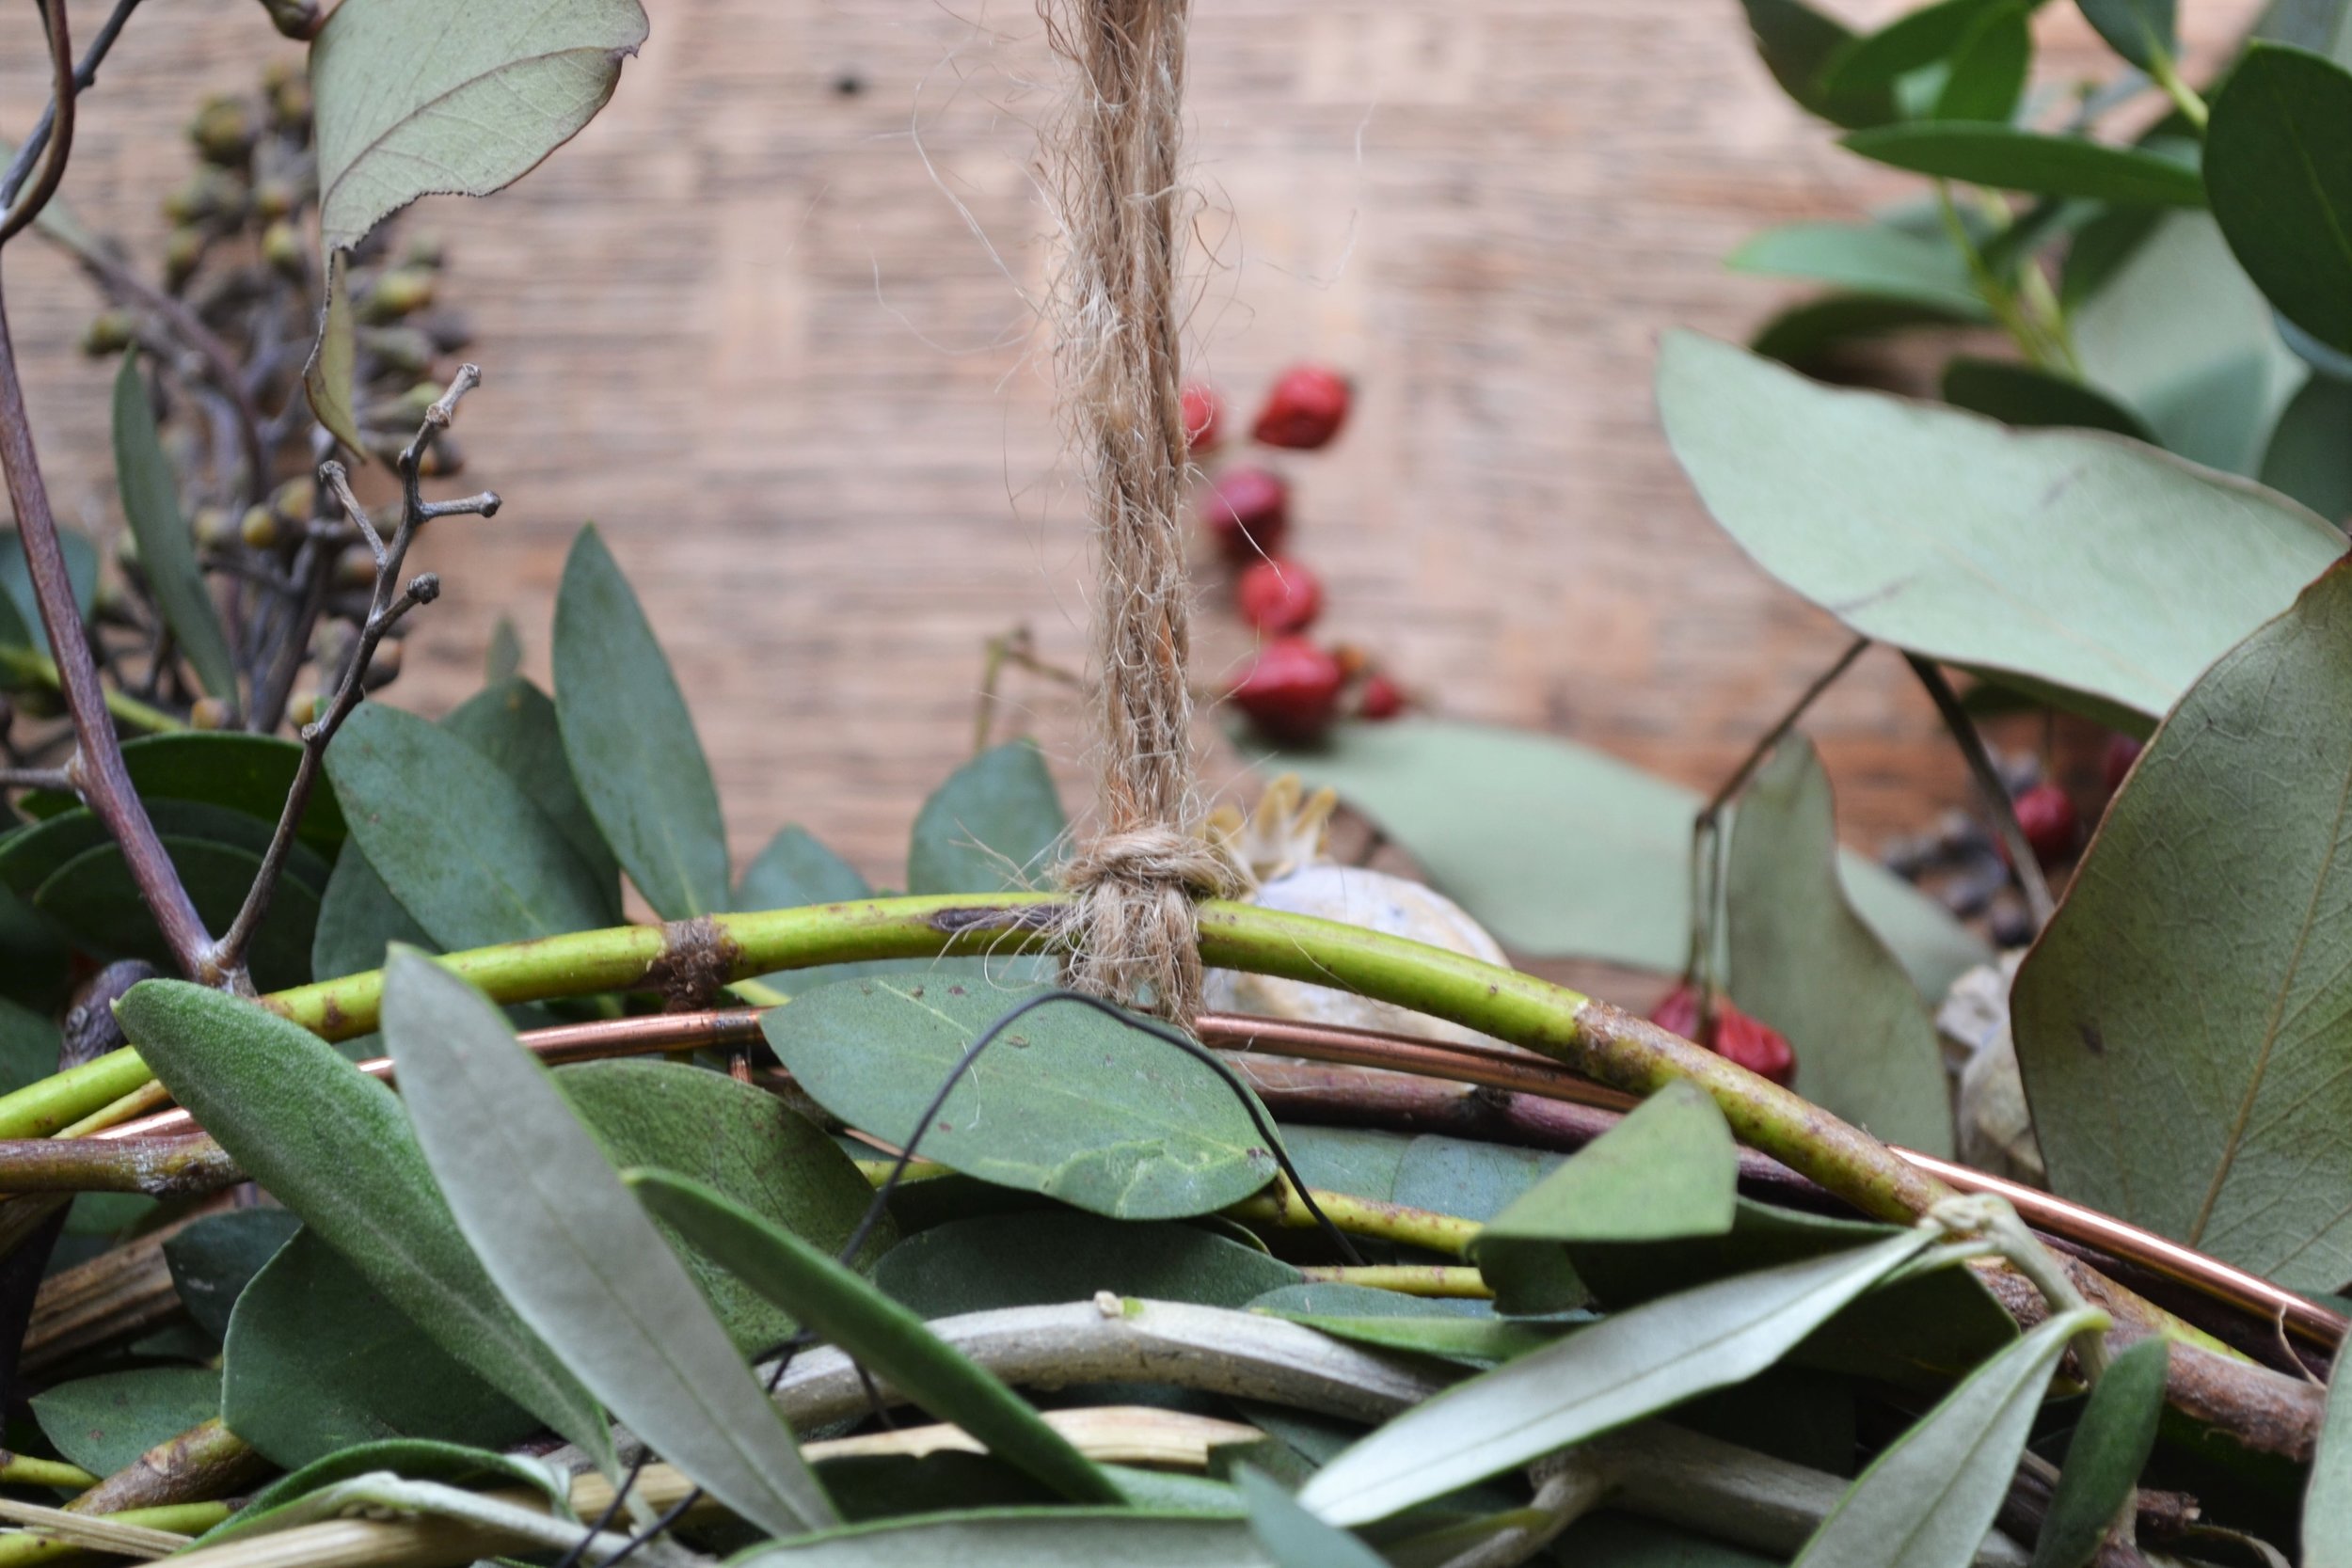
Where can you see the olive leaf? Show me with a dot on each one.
(577, 1256)
(1036, 1258)
(1621, 1368)
(151, 504)
(214, 1260)
(2097, 573)
(1293, 1536)
(2008, 158)
(513, 723)
(1873, 259)
(2104, 1458)
(418, 97)
(1025, 1538)
(1928, 1501)
(2181, 1049)
(2308, 456)
(2327, 1500)
(1797, 43)
(2142, 31)
(291, 1111)
(1989, 67)
(631, 741)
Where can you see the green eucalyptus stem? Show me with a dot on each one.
(1996, 295)
(1440, 1280)
(1279, 1206)
(2164, 71)
(189, 1519)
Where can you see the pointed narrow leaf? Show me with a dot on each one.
(2279, 165)
(1024, 1538)
(2105, 572)
(1796, 42)
(418, 97)
(796, 869)
(2215, 1028)
(2011, 159)
(16, 583)
(151, 504)
(1803, 961)
(1670, 1168)
(1928, 1501)
(2022, 395)
(1989, 70)
(1293, 1536)
(358, 920)
(2110, 1447)
(1622, 1369)
(1912, 40)
(631, 741)
(884, 1336)
(1867, 259)
(292, 1112)
(990, 826)
(577, 1256)
(2139, 30)
(2327, 1500)
(411, 1459)
(327, 379)
(461, 847)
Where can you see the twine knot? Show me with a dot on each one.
(1131, 931)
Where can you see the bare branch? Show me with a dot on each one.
(35, 778)
(84, 78)
(23, 210)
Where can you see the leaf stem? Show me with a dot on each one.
(2166, 72)
(2022, 859)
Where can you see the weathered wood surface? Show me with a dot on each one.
(767, 321)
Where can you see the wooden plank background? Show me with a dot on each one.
(768, 323)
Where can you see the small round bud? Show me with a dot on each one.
(303, 708)
(274, 198)
(281, 248)
(425, 587)
(296, 502)
(257, 528)
(209, 193)
(422, 250)
(290, 104)
(279, 71)
(210, 713)
(214, 528)
(408, 349)
(182, 250)
(108, 332)
(395, 293)
(222, 132)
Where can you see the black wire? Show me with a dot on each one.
(881, 1204)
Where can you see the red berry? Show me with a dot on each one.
(2122, 750)
(1381, 698)
(1306, 408)
(2049, 822)
(1293, 691)
(1246, 512)
(1278, 596)
(1204, 416)
(1739, 1037)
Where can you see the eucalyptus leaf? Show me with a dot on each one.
(1295, 1538)
(1467, 1177)
(1928, 1501)
(358, 919)
(1517, 827)
(884, 1337)
(1797, 43)
(577, 1256)
(28, 1046)
(151, 504)
(2104, 1458)
(2008, 158)
(1450, 1335)
(95, 898)
(2180, 1049)
(105, 1422)
(2105, 572)
(1025, 1538)
(32, 859)
(214, 1260)
(504, 660)
(796, 869)
(1989, 69)
(291, 1111)
(2142, 31)
(1800, 959)
(2178, 332)
(1810, 332)
(460, 844)
(2310, 456)
(250, 773)
(1670, 1168)
(513, 723)
(2279, 166)
(326, 378)
(1916, 38)
(1036, 1259)
(2025, 395)
(318, 1359)
(1068, 1102)
(421, 97)
(990, 826)
(742, 1141)
(631, 741)
(1867, 259)
(1621, 1368)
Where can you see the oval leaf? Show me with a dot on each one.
(421, 97)
(291, 1111)
(1797, 43)
(2022, 395)
(1801, 961)
(577, 1256)
(214, 1260)
(2107, 573)
(2010, 159)
(2310, 454)
(250, 773)
(151, 504)
(2110, 1447)
(513, 723)
(1670, 1168)
(1069, 1103)
(2213, 1029)
(2139, 30)
(631, 742)
(2279, 165)
(1928, 1501)
(455, 839)
(1046, 1256)
(884, 1336)
(105, 1422)
(1869, 259)
(1618, 1370)
(990, 826)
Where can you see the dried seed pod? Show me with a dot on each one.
(108, 332)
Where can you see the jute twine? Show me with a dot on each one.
(1131, 934)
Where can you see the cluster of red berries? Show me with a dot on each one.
(1296, 686)
(1735, 1037)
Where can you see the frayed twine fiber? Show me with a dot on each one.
(1131, 933)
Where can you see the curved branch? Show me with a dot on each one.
(23, 210)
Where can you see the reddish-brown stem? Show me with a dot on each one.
(24, 207)
(96, 766)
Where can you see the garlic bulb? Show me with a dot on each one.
(1281, 848)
